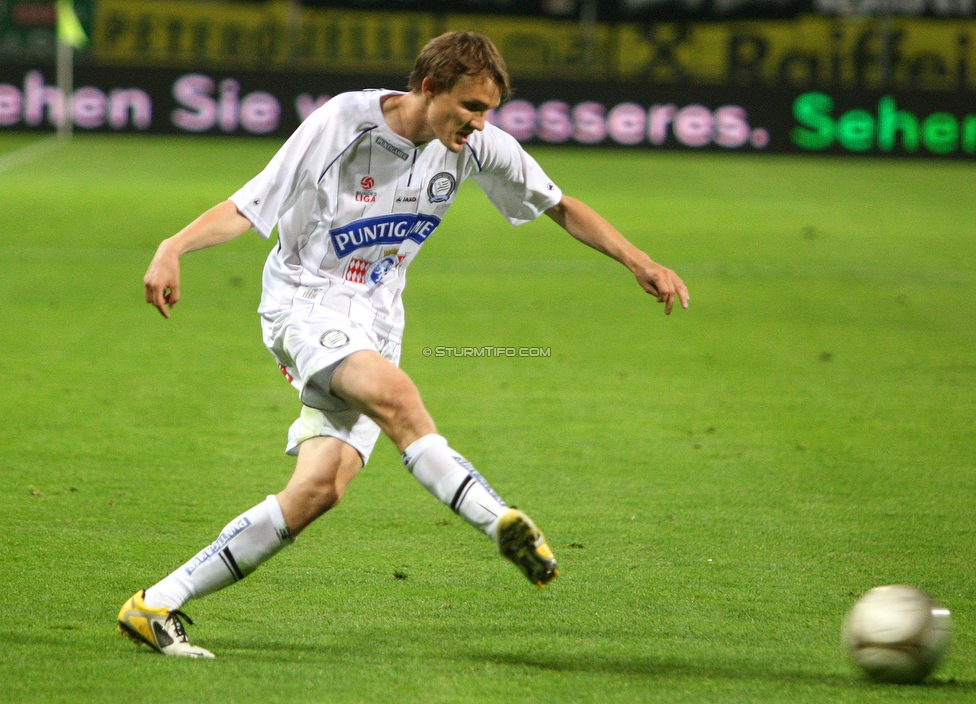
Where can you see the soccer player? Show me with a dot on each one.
(355, 192)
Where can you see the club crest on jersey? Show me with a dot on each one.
(390, 229)
(441, 187)
(334, 339)
(366, 194)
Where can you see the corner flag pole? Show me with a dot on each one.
(71, 36)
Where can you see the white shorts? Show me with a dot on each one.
(310, 342)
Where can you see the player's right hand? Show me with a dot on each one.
(162, 280)
(662, 283)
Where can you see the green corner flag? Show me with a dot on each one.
(70, 31)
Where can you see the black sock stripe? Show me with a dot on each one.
(232, 563)
(465, 495)
(227, 565)
(458, 495)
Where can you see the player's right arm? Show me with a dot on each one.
(220, 224)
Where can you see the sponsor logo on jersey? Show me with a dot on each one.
(384, 229)
(441, 187)
(378, 271)
(356, 271)
(393, 150)
(361, 271)
(406, 199)
(226, 535)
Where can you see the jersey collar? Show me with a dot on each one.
(376, 114)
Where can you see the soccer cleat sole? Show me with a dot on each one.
(134, 635)
(522, 543)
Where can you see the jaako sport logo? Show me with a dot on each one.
(441, 187)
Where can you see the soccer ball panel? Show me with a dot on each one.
(897, 634)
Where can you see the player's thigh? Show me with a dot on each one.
(372, 384)
(310, 348)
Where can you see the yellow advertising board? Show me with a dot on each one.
(189, 34)
(185, 34)
(350, 41)
(810, 51)
(541, 48)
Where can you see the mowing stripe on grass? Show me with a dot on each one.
(32, 152)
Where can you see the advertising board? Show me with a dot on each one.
(807, 52)
(619, 115)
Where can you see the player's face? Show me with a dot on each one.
(453, 115)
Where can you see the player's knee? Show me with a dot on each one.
(322, 496)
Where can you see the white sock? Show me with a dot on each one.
(453, 480)
(246, 542)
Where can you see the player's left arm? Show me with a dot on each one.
(590, 228)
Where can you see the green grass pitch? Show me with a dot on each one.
(718, 485)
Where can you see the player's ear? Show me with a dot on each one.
(428, 87)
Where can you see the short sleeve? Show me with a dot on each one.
(513, 181)
(270, 194)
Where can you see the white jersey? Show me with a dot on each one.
(354, 202)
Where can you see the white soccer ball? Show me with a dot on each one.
(897, 634)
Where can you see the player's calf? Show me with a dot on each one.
(455, 481)
(245, 543)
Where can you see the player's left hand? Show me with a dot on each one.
(662, 283)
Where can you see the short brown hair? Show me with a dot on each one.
(454, 54)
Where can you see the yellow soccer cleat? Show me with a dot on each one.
(520, 542)
(161, 629)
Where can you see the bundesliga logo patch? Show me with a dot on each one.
(366, 194)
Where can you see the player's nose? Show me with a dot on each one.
(478, 122)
